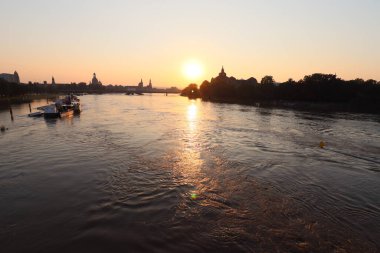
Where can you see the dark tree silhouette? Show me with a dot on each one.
(191, 91)
(267, 80)
(315, 88)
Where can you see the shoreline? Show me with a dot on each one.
(5, 102)
(332, 107)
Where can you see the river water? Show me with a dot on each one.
(159, 173)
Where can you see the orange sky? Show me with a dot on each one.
(124, 41)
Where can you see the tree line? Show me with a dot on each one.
(312, 88)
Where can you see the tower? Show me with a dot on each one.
(52, 80)
(222, 73)
(16, 77)
(141, 84)
(150, 84)
(94, 80)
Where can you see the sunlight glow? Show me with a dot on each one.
(192, 112)
(193, 70)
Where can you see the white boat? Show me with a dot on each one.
(62, 107)
(50, 111)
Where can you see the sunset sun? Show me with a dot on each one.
(192, 70)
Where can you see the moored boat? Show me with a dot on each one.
(62, 107)
(49, 111)
(35, 114)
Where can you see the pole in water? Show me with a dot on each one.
(11, 112)
(30, 108)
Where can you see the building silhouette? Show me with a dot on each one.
(222, 73)
(222, 77)
(150, 86)
(141, 84)
(11, 78)
(95, 83)
(140, 87)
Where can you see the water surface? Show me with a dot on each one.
(159, 173)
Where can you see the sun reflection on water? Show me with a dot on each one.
(192, 111)
(188, 163)
(192, 114)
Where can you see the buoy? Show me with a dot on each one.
(322, 144)
(194, 196)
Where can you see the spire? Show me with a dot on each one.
(141, 84)
(222, 73)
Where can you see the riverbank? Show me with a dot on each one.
(301, 106)
(5, 102)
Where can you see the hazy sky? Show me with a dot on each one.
(123, 41)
